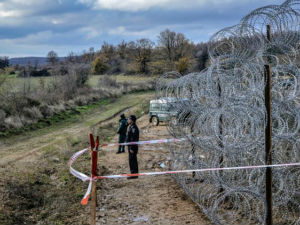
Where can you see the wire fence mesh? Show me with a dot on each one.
(222, 113)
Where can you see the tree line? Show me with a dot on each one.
(172, 51)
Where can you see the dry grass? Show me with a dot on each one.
(30, 104)
(132, 79)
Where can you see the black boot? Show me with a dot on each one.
(134, 177)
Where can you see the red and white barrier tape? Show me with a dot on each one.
(76, 173)
(84, 177)
(198, 170)
(172, 140)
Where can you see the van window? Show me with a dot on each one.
(168, 107)
(154, 107)
(165, 107)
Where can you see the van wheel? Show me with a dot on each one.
(173, 121)
(154, 120)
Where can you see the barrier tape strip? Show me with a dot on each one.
(172, 140)
(76, 173)
(197, 170)
(84, 177)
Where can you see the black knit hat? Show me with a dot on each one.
(132, 117)
(122, 116)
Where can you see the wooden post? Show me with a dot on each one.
(268, 138)
(221, 159)
(94, 154)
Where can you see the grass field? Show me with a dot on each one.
(18, 83)
(93, 81)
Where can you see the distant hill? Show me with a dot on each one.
(23, 61)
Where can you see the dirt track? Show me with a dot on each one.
(147, 200)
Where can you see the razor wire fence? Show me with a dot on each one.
(221, 112)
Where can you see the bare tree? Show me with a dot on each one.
(122, 49)
(201, 55)
(71, 58)
(144, 49)
(108, 50)
(183, 47)
(52, 57)
(88, 56)
(166, 40)
(174, 45)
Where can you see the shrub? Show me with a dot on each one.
(67, 86)
(81, 100)
(13, 122)
(99, 65)
(40, 73)
(84, 90)
(70, 104)
(26, 121)
(46, 110)
(183, 65)
(32, 113)
(2, 118)
(58, 108)
(81, 73)
(15, 103)
(2, 115)
(32, 101)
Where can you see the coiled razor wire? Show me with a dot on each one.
(222, 113)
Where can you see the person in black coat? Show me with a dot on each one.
(132, 136)
(122, 133)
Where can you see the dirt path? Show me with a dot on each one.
(147, 200)
(31, 147)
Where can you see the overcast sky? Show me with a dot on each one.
(34, 27)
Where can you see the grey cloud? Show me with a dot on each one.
(73, 26)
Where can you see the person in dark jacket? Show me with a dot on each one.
(133, 136)
(122, 133)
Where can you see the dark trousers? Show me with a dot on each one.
(121, 148)
(133, 163)
(122, 139)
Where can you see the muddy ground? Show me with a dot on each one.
(147, 200)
